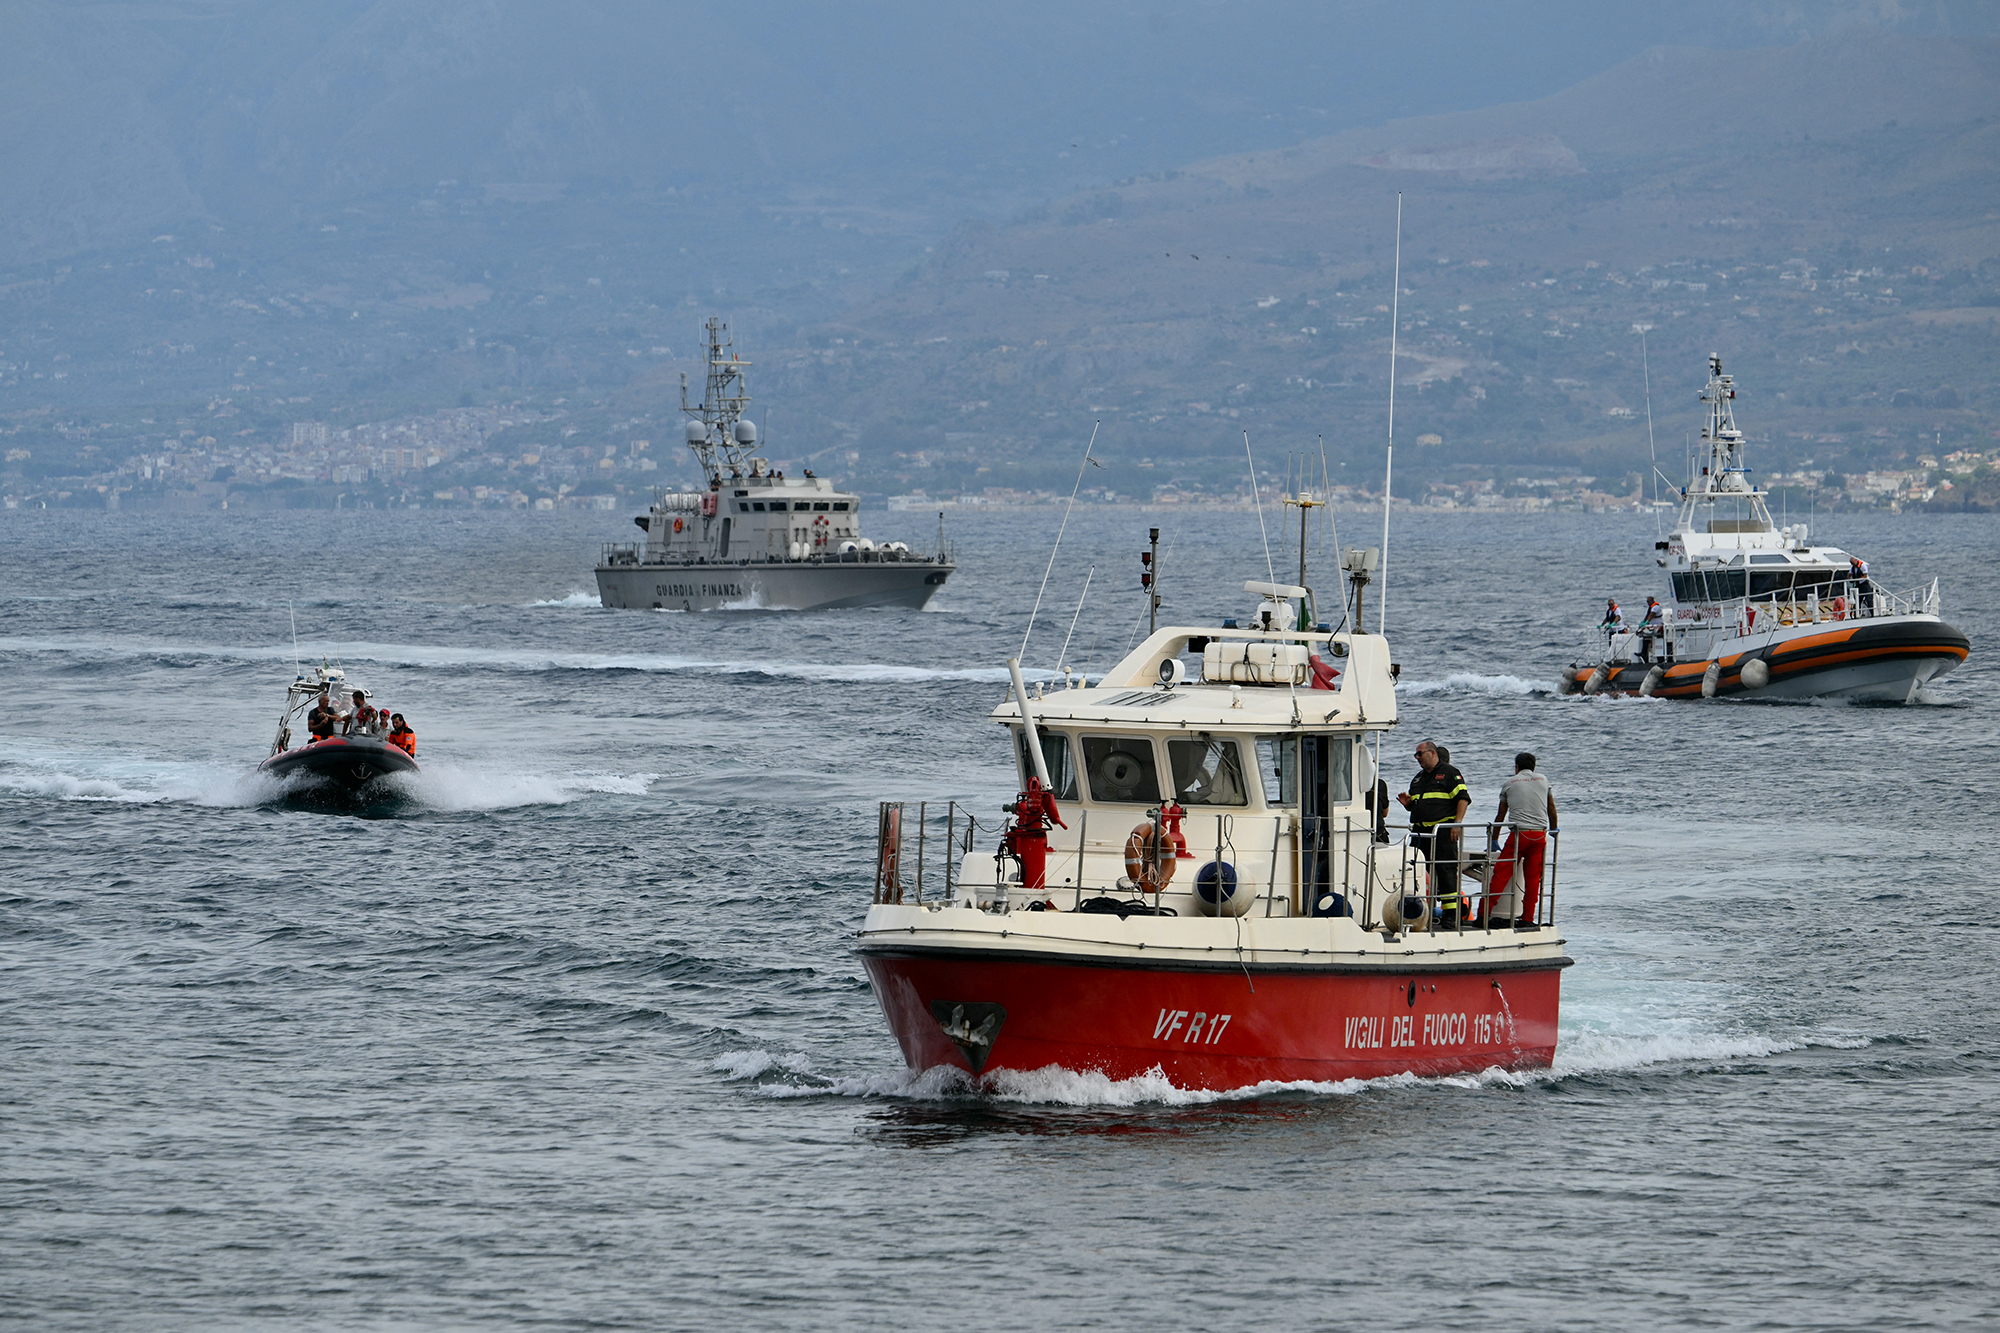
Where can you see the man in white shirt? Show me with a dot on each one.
(1528, 804)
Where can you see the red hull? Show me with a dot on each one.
(1216, 1029)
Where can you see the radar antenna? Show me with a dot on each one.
(718, 435)
(1725, 442)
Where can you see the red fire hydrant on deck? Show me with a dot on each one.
(1027, 837)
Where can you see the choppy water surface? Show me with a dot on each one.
(569, 1036)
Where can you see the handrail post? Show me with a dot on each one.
(922, 811)
(950, 843)
(1271, 876)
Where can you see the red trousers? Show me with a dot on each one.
(1525, 847)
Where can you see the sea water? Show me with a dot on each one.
(569, 1033)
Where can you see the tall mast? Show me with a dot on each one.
(1389, 458)
(1306, 502)
(717, 434)
(1723, 473)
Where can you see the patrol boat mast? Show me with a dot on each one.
(1723, 474)
(718, 435)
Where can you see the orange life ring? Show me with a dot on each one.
(1143, 866)
(677, 525)
(1839, 605)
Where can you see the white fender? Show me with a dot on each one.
(1597, 679)
(1756, 673)
(1651, 684)
(1711, 679)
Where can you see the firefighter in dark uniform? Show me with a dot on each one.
(1437, 795)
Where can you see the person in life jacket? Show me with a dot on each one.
(1864, 591)
(1652, 625)
(401, 736)
(322, 720)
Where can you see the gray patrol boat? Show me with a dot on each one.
(755, 539)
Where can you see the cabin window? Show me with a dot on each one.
(1710, 585)
(742, 508)
(1056, 755)
(1339, 769)
(840, 506)
(819, 507)
(1121, 769)
(801, 506)
(759, 506)
(1278, 765)
(1207, 771)
(1797, 582)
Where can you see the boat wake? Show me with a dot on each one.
(525, 660)
(573, 599)
(1578, 1055)
(445, 788)
(1472, 683)
(452, 788)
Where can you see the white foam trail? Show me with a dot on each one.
(146, 784)
(1469, 682)
(513, 659)
(69, 787)
(574, 599)
(446, 787)
(1577, 1055)
(453, 787)
(738, 1065)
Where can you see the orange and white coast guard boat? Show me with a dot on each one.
(1761, 612)
(1195, 881)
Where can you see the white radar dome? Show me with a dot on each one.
(697, 433)
(746, 432)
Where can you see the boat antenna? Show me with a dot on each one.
(1073, 619)
(1270, 570)
(1333, 524)
(297, 670)
(1087, 461)
(1651, 452)
(1389, 458)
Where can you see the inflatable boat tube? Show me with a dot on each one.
(352, 761)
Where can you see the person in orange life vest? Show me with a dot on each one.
(1653, 625)
(402, 737)
(1529, 805)
(1613, 623)
(1864, 591)
(359, 721)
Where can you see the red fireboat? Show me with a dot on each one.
(1193, 883)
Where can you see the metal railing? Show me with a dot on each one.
(1292, 865)
(634, 553)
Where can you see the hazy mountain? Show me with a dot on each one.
(119, 117)
(348, 210)
(1814, 211)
